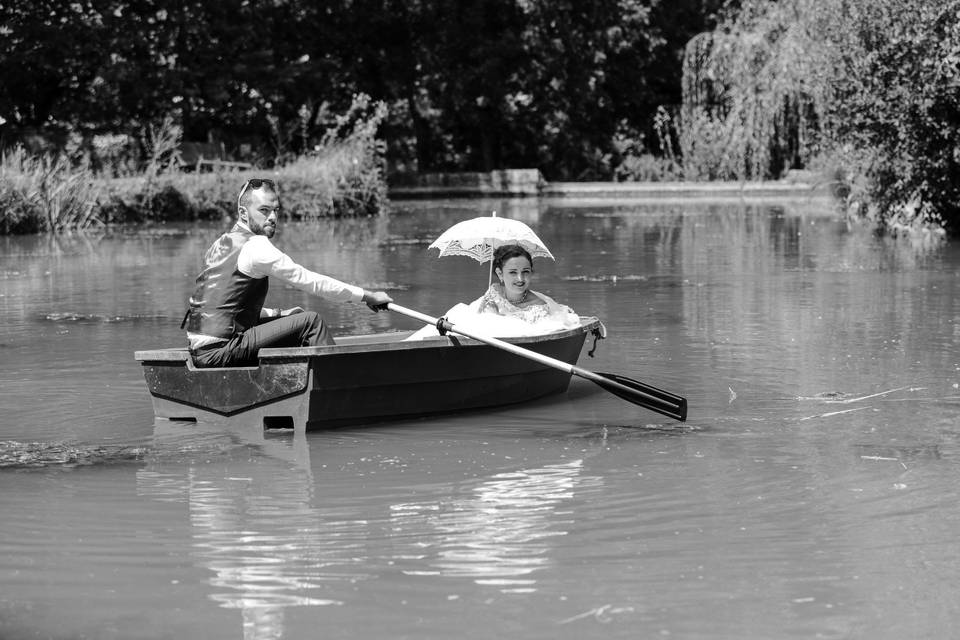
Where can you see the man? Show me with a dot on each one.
(227, 323)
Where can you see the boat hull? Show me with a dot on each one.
(361, 379)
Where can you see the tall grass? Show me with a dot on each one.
(343, 175)
(45, 193)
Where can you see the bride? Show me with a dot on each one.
(510, 307)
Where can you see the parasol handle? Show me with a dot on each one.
(493, 214)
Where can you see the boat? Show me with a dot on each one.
(362, 379)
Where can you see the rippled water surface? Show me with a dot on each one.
(812, 493)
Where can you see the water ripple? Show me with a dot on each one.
(21, 455)
(71, 316)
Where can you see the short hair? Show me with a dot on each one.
(507, 251)
(251, 185)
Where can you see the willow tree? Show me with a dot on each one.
(868, 88)
(755, 92)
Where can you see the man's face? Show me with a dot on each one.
(262, 212)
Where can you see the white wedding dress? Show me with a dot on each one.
(493, 315)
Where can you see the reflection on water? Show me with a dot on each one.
(499, 534)
(269, 544)
(257, 531)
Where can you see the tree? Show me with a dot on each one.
(488, 84)
(472, 85)
(871, 87)
(898, 104)
(48, 68)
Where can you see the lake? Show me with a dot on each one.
(812, 493)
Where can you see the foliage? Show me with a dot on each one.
(44, 193)
(471, 85)
(342, 175)
(899, 102)
(634, 163)
(162, 142)
(867, 89)
(755, 92)
(493, 84)
(585, 63)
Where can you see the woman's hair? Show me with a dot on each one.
(507, 251)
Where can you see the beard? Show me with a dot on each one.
(263, 230)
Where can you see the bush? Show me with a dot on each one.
(17, 216)
(871, 85)
(899, 104)
(633, 163)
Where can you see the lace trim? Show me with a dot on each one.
(532, 313)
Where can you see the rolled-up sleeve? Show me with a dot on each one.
(259, 258)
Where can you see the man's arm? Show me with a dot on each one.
(264, 259)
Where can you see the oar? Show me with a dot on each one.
(633, 391)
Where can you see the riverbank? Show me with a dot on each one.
(340, 176)
(43, 195)
(530, 183)
(51, 194)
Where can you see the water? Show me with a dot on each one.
(812, 493)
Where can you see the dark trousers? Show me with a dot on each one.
(305, 329)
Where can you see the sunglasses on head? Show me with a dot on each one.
(253, 184)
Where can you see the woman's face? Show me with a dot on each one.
(516, 275)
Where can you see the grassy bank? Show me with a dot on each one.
(343, 175)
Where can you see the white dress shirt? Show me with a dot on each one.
(259, 258)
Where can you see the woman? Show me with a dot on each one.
(512, 296)
(510, 307)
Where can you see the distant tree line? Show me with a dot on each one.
(567, 86)
(867, 91)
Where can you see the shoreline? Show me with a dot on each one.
(529, 183)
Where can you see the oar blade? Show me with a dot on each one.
(645, 395)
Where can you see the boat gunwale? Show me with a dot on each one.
(369, 343)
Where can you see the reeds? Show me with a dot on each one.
(45, 193)
(343, 175)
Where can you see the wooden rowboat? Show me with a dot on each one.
(361, 379)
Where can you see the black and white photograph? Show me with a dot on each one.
(479, 319)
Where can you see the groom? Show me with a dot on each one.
(226, 322)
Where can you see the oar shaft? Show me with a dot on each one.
(416, 315)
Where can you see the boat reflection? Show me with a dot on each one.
(499, 535)
(257, 531)
(269, 542)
